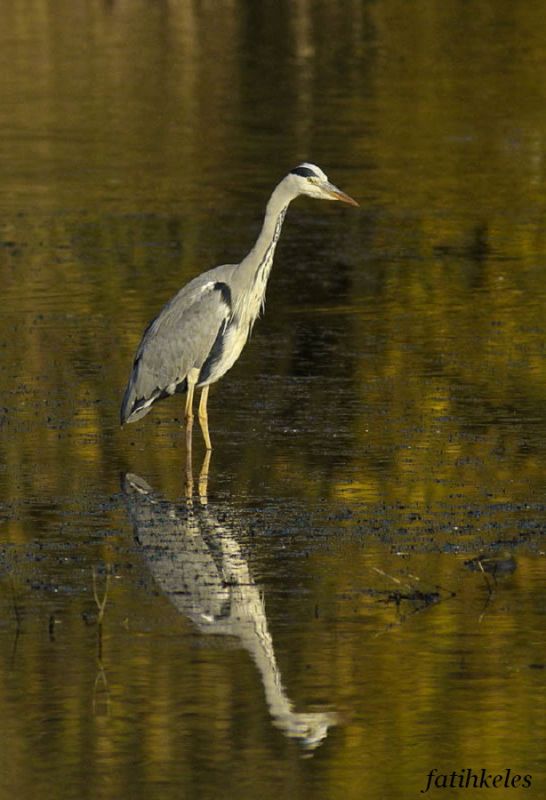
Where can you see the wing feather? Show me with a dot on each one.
(178, 340)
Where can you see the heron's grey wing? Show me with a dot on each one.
(179, 339)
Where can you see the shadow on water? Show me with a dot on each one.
(192, 551)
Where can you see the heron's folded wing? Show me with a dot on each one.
(179, 339)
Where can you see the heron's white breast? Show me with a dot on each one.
(234, 340)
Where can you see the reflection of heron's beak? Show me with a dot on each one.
(333, 193)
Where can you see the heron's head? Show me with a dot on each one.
(310, 180)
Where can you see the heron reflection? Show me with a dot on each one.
(196, 560)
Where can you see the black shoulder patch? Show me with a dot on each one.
(213, 357)
(305, 172)
(225, 291)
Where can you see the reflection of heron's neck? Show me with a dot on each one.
(247, 620)
(251, 629)
(256, 639)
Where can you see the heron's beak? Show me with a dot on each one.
(333, 193)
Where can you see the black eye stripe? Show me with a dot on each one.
(305, 172)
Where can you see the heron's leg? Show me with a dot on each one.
(204, 418)
(204, 479)
(189, 477)
(189, 471)
(189, 417)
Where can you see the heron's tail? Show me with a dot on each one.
(133, 408)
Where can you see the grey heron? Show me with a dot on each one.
(200, 333)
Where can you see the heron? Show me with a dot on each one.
(200, 333)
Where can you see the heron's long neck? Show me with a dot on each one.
(255, 268)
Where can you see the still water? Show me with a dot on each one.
(353, 593)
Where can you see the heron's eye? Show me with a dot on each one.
(313, 180)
